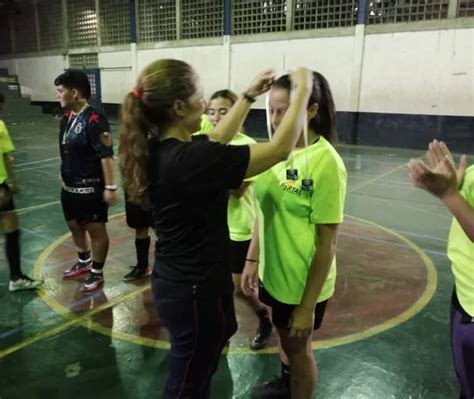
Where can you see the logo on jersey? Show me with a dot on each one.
(94, 118)
(290, 188)
(106, 139)
(78, 128)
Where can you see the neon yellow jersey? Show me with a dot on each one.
(241, 212)
(206, 125)
(461, 251)
(288, 217)
(6, 146)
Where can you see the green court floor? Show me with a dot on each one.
(47, 353)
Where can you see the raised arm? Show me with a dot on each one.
(230, 124)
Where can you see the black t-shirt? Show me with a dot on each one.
(83, 141)
(189, 183)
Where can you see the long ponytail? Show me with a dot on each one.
(146, 110)
(325, 121)
(133, 149)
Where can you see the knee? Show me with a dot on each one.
(76, 228)
(98, 233)
(297, 349)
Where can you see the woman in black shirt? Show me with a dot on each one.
(185, 180)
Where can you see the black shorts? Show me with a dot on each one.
(281, 312)
(84, 209)
(137, 217)
(238, 254)
(6, 198)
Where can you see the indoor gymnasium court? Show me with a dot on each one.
(401, 74)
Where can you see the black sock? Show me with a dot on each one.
(12, 251)
(84, 257)
(97, 267)
(142, 247)
(262, 313)
(264, 318)
(285, 372)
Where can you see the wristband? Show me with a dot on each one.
(111, 187)
(249, 98)
(251, 260)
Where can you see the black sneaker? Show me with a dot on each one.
(263, 336)
(77, 269)
(136, 273)
(93, 282)
(278, 388)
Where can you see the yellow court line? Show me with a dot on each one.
(83, 320)
(424, 299)
(72, 321)
(59, 308)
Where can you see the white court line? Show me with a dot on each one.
(377, 178)
(36, 162)
(37, 167)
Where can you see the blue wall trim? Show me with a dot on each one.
(133, 22)
(361, 12)
(390, 130)
(227, 16)
(366, 128)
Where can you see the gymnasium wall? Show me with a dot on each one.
(393, 85)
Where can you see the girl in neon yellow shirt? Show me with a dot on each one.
(8, 215)
(456, 189)
(301, 206)
(241, 215)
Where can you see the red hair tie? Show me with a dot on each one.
(136, 92)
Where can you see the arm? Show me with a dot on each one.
(302, 320)
(8, 160)
(249, 280)
(228, 126)
(265, 155)
(443, 180)
(110, 195)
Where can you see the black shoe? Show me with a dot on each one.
(136, 273)
(93, 282)
(277, 388)
(263, 336)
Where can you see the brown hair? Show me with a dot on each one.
(324, 123)
(227, 94)
(146, 111)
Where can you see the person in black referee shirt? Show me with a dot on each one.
(185, 179)
(87, 176)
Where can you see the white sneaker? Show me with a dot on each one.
(24, 283)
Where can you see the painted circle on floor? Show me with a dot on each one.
(383, 280)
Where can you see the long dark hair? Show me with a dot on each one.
(146, 111)
(324, 123)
